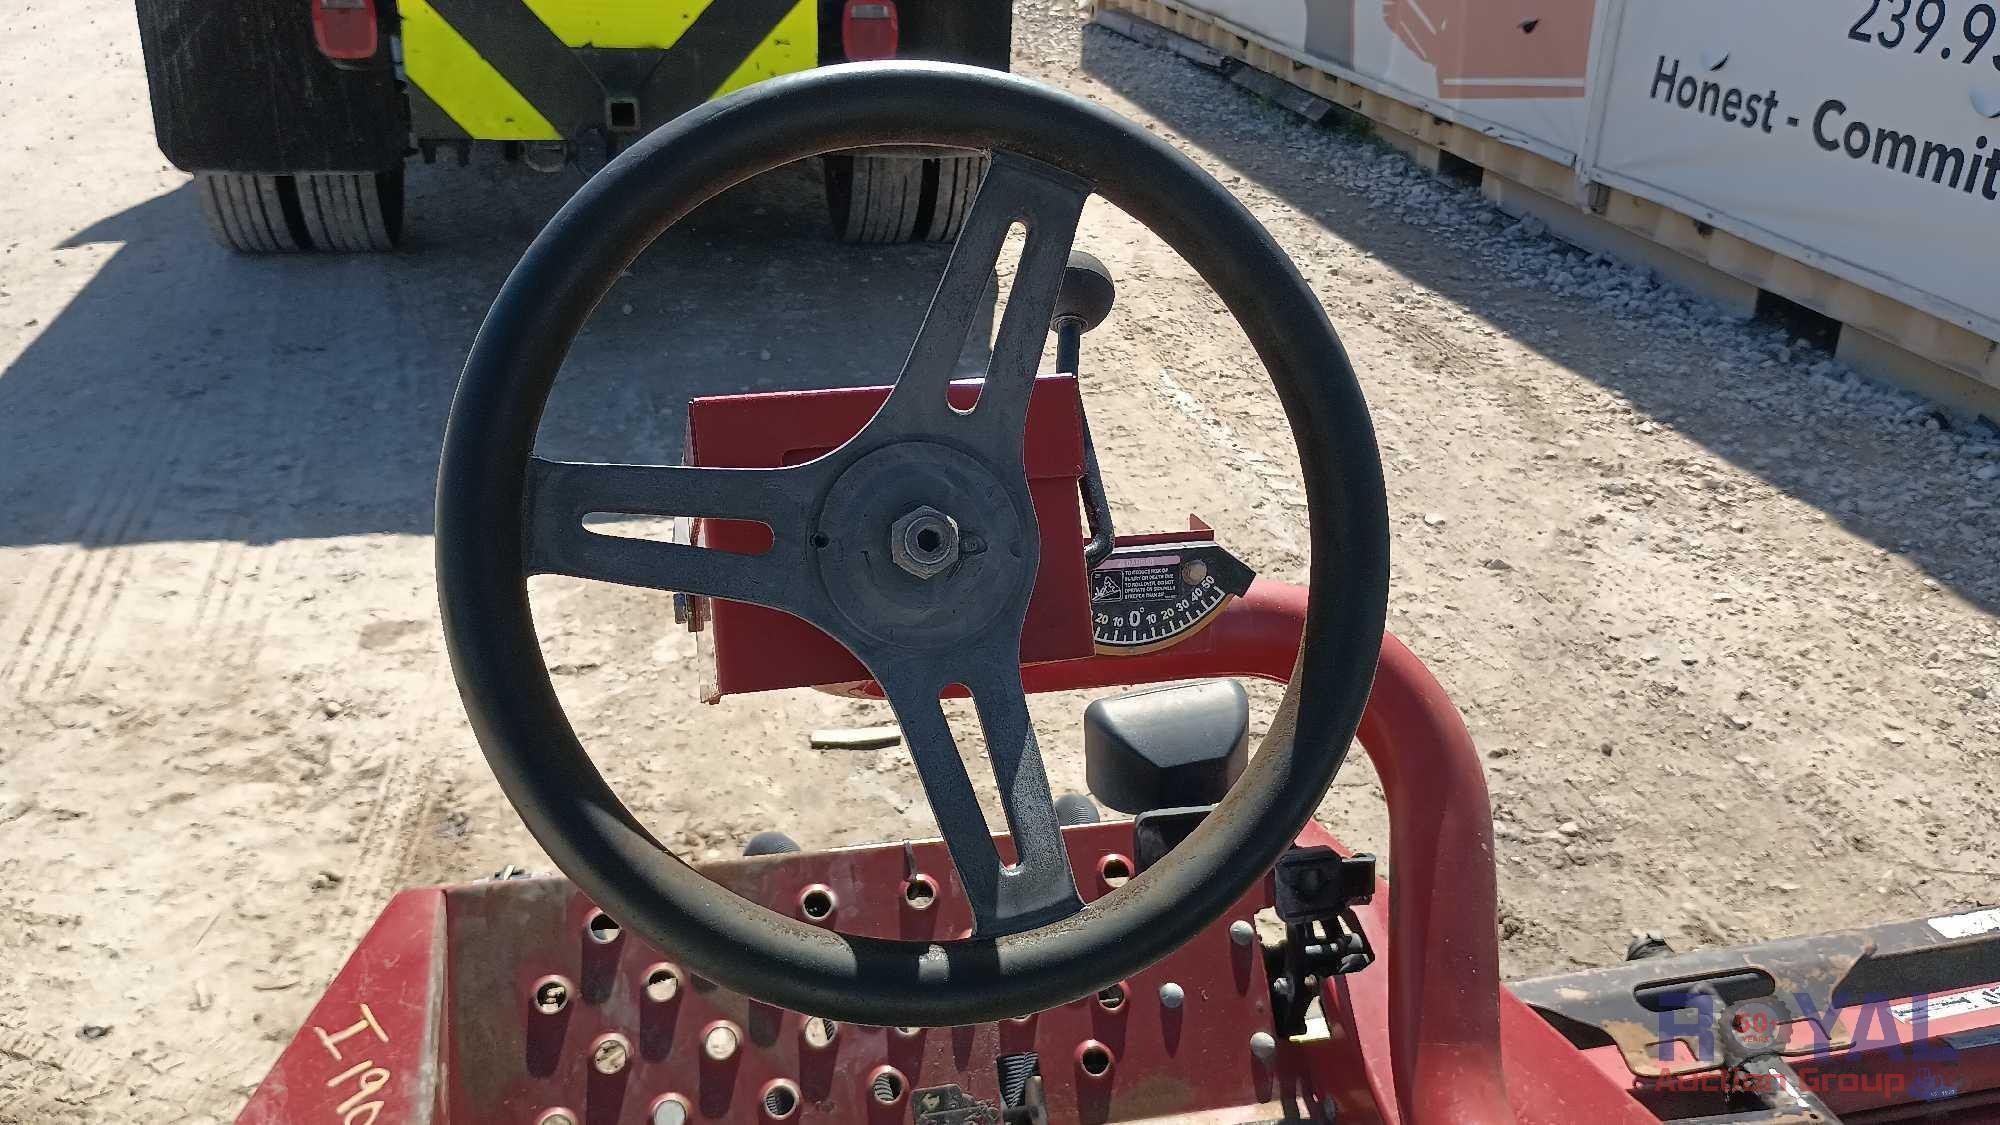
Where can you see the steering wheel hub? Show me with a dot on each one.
(928, 506)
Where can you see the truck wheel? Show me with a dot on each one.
(353, 212)
(900, 198)
(340, 212)
(246, 212)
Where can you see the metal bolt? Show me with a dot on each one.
(924, 542)
(1241, 932)
(671, 1111)
(1194, 572)
(1263, 1046)
(556, 1117)
(610, 1054)
(1171, 995)
(719, 1042)
(887, 1085)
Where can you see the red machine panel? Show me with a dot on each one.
(369, 1051)
(758, 649)
(515, 1002)
(511, 1063)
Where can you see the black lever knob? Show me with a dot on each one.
(1086, 292)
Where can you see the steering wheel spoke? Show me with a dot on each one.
(562, 493)
(1039, 887)
(1048, 202)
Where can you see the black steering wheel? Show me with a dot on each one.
(914, 544)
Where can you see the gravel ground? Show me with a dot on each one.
(1719, 611)
(1720, 614)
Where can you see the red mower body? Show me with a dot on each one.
(516, 1001)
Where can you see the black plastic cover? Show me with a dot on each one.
(1167, 747)
(1160, 831)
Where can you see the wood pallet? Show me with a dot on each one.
(1879, 335)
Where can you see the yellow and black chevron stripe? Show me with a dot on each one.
(544, 70)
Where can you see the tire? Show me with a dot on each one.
(353, 212)
(337, 212)
(900, 198)
(246, 212)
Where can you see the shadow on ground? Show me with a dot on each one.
(187, 393)
(1888, 488)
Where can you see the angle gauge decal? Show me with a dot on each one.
(1155, 591)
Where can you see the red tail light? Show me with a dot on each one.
(344, 29)
(868, 30)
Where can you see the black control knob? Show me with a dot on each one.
(1086, 292)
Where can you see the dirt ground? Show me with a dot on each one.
(1721, 617)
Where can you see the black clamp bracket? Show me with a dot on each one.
(1317, 890)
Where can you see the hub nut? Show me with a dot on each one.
(925, 542)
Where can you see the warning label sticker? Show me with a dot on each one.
(1968, 925)
(1148, 583)
(1949, 1005)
